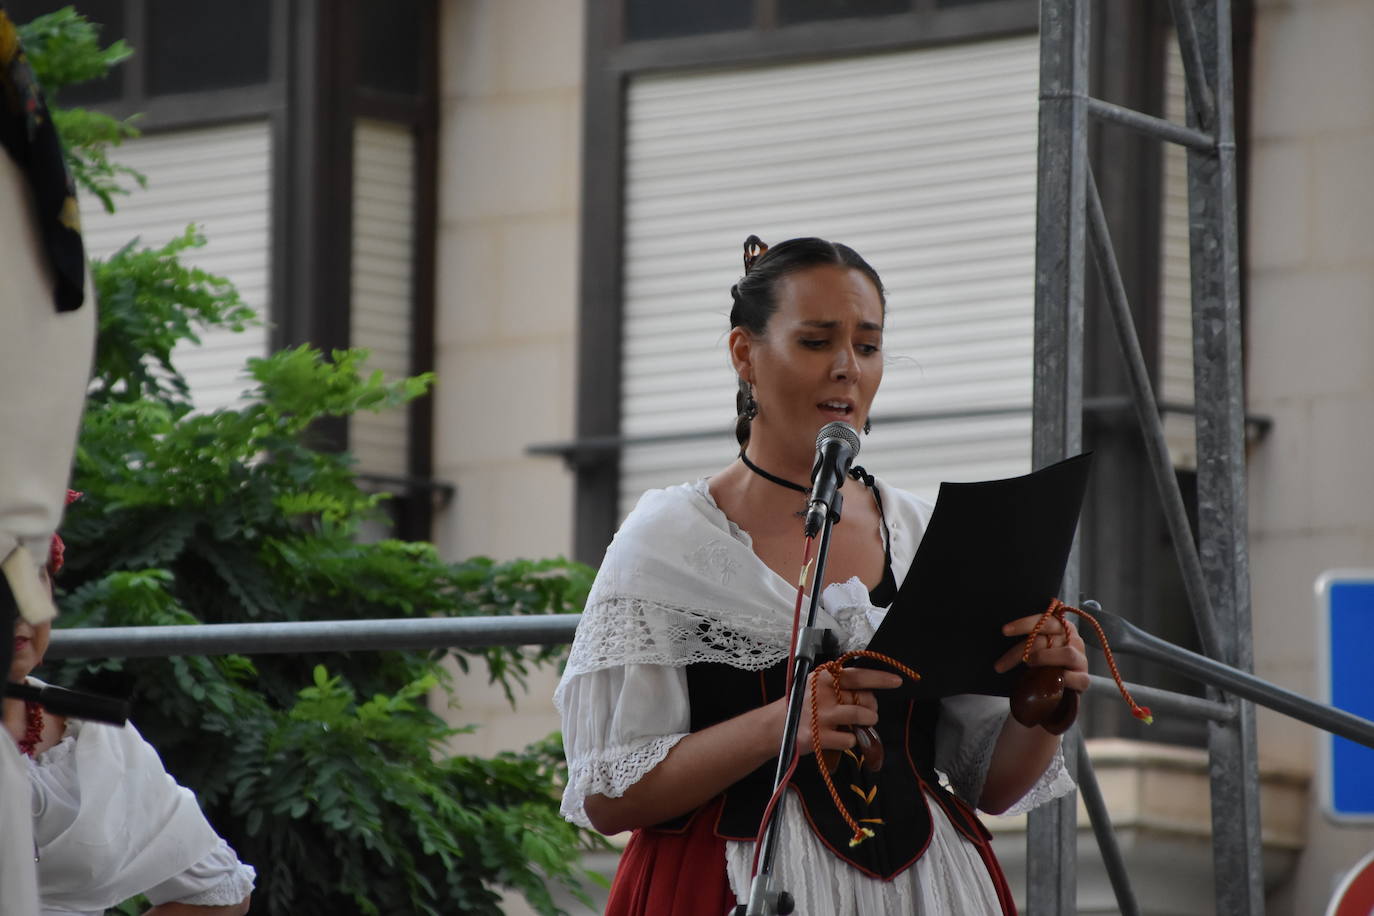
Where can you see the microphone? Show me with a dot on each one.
(836, 446)
(72, 704)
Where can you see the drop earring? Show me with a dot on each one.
(749, 407)
(868, 426)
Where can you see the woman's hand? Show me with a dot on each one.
(1024, 751)
(1051, 650)
(856, 705)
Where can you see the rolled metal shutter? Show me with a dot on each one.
(924, 161)
(1176, 292)
(220, 179)
(383, 281)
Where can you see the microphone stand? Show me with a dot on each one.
(764, 898)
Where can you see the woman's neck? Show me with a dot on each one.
(785, 463)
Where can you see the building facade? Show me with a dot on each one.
(543, 201)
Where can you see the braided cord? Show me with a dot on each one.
(1057, 609)
(836, 670)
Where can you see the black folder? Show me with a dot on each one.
(993, 551)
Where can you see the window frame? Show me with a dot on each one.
(311, 101)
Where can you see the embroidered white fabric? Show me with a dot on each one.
(680, 585)
(625, 630)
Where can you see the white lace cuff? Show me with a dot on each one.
(235, 886)
(611, 772)
(218, 879)
(1054, 783)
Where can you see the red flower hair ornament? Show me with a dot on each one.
(59, 549)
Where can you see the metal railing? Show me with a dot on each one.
(314, 636)
(558, 629)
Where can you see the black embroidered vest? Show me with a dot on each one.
(890, 802)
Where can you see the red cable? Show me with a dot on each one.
(787, 693)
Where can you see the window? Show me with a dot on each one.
(318, 202)
(193, 47)
(922, 160)
(647, 19)
(794, 11)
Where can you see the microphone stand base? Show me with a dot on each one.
(764, 901)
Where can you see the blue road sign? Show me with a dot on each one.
(1345, 608)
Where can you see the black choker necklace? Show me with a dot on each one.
(774, 478)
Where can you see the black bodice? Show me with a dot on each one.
(890, 802)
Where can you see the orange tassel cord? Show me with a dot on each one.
(836, 669)
(1057, 609)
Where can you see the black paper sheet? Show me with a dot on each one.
(993, 551)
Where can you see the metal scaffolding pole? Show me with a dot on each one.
(1057, 424)
(1219, 392)
(1217, 573)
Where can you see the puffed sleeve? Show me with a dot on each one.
(618, 724)
(218, 879)
(964, 741)
(110, 823)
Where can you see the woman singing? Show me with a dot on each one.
(672, 701)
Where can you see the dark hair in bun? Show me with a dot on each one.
(755, 295)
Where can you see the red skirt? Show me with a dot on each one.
(674, 874)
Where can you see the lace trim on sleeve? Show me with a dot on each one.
(624, 630)
(611, 772)
(234, 887)
(1054, 783)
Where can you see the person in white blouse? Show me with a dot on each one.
(672, 704)
(47, 339)
(109, 823)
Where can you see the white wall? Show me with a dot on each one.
(507, 278)
(1310, 344)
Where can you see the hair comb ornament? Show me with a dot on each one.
(754, 248)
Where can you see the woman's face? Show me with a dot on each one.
(819, 359)
(30, 643)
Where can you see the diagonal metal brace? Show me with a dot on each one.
(1128, 639)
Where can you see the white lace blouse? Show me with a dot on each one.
(681, 584)
(110, 823)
